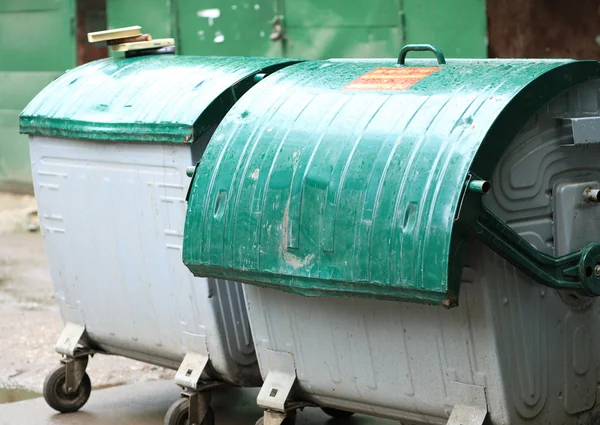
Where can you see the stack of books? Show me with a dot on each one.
(131, 41)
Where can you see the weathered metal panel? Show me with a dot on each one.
(48, 44)
(313, 188)
(112, 214)
(457, 27)
(230, 27)
(312, 29)
(319, 30)
(149, 98)
(341, 13)
(344, 42)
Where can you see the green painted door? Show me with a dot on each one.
(37, 43)
(311, 29)
(227, 27)
(339, 28)
(458, 27)
(317, 29)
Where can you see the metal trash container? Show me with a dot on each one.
(110, 143)
(351, 196)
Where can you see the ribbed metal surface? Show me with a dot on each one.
(318, 190)
(152, 98)
(112, 214)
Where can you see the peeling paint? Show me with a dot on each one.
(291, 259)
(295, 261)
(255, 174)
(219, 37)
(210, 14)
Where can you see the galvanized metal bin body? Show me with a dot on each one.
(112, 216)
(110, 143)
(520, 351)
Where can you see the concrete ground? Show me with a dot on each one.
(146, 404)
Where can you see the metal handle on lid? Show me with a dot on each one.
(421, 48)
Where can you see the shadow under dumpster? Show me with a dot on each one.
(146, 403)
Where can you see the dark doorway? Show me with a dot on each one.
(91, 16)
(544, 29)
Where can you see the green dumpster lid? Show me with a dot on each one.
(346, 177)
(165, 98)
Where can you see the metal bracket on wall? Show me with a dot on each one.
(191, 369)
(279, 381)
(575, 271)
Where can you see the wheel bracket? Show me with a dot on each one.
(70, 341)
(279, 381)
(199, 405)
(190, 370)
(74, 372)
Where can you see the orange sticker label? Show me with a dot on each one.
(390, 78)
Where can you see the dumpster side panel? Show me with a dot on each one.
(532, 353)
(116, 258)
(403, 361)
(323, 180)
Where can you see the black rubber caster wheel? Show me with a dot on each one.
(57, 397)
(337, 413)
(178, 414)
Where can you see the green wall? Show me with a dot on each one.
(314, 29)
(36, 45)
(38, 40)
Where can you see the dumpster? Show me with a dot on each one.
(419, 238)
(110, 143)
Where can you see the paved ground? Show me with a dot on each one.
(29, 319)
(146, 403)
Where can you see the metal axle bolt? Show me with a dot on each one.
(591, 195)
(597, 270)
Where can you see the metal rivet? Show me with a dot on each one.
(597, 270)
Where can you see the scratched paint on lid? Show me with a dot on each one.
(390, 78)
